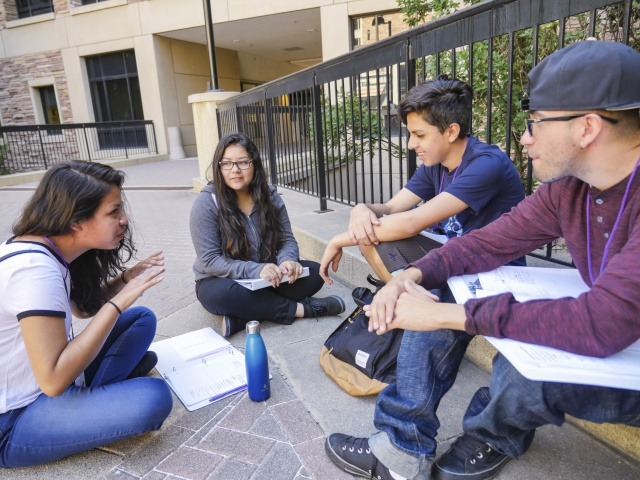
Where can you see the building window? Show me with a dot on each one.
(30, 8)
(372, 28)
(115, 94)
(88, 2)
(49, 105)
(45, 104)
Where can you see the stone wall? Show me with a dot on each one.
(16, 107)
(9, 11)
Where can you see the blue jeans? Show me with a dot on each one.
(111, 408)
(505, 414)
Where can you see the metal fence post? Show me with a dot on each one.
(320, 160)
(155, 142)
(44, 154)
(411, 82)
(239, 117)
(273, 171)
(86, 141)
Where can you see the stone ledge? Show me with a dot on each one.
(35, 176)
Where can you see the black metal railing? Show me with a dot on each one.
(331, 130)
(37, 147)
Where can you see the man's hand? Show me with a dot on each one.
(417, 309)
(361, 222)
(332, 255)
(382, 310)
(414, 307)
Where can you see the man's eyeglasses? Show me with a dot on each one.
(241, 164)
(565, 118)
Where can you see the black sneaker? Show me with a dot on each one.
(231, 325)
(469, 459)
(376, 282)
(353, 455)
(322, 307)
(145, 365)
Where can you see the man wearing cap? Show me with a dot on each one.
(583, 137)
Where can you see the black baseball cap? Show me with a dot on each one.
(589, 75)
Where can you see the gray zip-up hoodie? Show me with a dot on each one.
(205, 234)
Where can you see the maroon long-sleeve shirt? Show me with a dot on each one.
(602, 321)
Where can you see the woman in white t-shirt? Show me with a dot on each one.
(61, 394)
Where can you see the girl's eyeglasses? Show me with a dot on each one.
(241, 164)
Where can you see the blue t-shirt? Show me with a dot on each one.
(486, 180)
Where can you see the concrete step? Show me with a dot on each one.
(313, 230)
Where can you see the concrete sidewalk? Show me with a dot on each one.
(282, 438)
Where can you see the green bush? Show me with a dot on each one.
(4, 150)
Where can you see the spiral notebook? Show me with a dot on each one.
(201, 367)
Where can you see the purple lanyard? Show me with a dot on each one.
(605, 254)
(66, 265)
(455, 174)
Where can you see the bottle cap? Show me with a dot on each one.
(253, 326)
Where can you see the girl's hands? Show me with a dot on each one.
(144, 275)
(272, 273)
(291, 268)
(156, 259)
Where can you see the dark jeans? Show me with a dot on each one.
(224, 296)
(110, 409)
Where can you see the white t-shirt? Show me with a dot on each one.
(30, 284)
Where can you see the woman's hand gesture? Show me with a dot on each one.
(156, 259)
(144, 275)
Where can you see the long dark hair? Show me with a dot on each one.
(233, 236)
(71, 192)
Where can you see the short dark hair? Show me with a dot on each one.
(71, 192)
(440, 102)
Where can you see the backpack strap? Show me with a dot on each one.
(13, 254)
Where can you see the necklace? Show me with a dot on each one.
(605, 254)
(64, 262)
(455, 174)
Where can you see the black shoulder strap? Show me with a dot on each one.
(12, 254)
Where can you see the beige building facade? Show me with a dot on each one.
(84, 61)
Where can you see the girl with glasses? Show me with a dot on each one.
(240, 229)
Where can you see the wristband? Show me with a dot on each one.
(115, 306)
(122, 277)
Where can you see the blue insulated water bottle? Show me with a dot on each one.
(257, 364)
